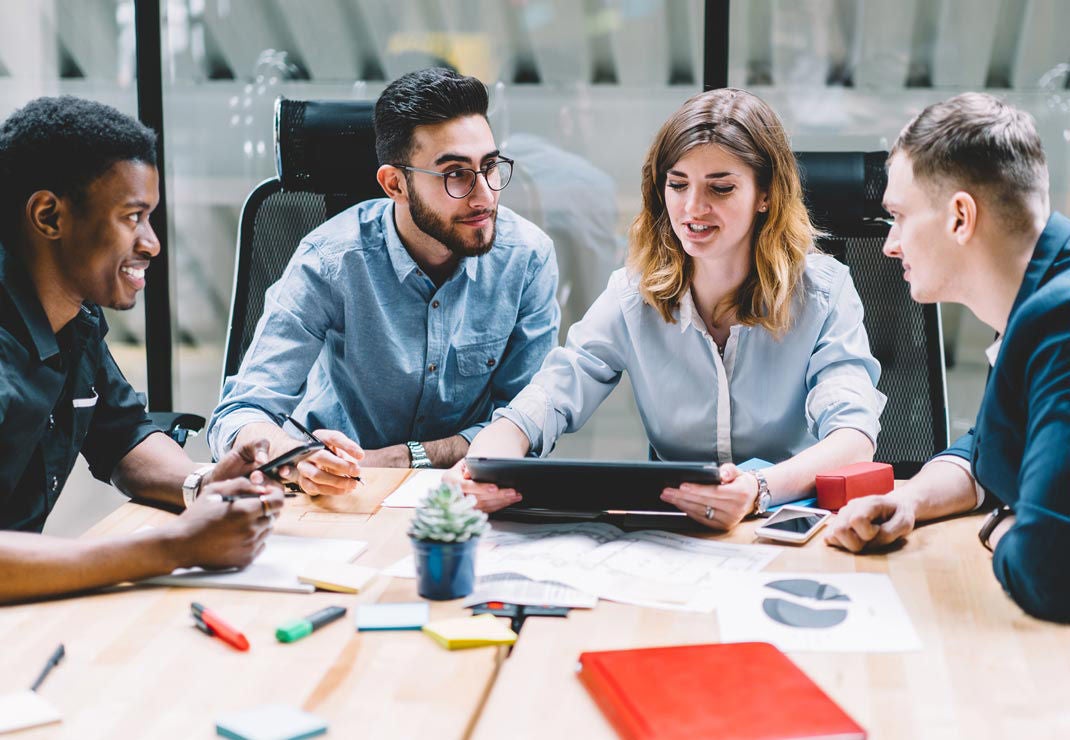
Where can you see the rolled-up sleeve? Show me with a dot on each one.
(575, 378)
(842, 374)
(532, 337)
(298, 310)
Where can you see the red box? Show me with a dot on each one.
(836, 487)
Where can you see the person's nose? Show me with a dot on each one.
(482, 196)
(891, 243)
(698, 203)
(147, 242)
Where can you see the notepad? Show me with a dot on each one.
(469, 632)
(270, 722)
(24, 709)
(275, 569)
(331, 575)
(406, 616)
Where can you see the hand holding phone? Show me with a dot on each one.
(794, 524)
(271, 468)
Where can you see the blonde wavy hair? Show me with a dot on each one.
(747, 127)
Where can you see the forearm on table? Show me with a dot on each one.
(34, 565)
(795, 476)
(443, 453)
(154, 471)
(500, 438)
(939, 489)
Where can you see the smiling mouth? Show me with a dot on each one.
(133, 272)
(699, 228)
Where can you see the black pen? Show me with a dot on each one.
(313, 438)
(57, 656)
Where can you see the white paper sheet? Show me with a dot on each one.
(649, 568)
(415, 487)
(276, 569)
(512, 588)
(827, 612)
(23, 709)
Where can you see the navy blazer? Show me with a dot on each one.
(1019, 448)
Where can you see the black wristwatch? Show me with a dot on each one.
(991, 522)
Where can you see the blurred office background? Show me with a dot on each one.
(578, 88)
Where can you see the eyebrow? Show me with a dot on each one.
(451, 157)
(136, 204)
(711, 176)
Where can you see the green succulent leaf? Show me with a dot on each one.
(445, 514)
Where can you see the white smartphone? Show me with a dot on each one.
(795, 524)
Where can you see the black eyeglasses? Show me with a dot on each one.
(460, 182)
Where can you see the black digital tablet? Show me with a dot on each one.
(590, 488)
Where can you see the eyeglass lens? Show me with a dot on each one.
(460, 183)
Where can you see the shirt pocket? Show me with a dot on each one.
(480, 358)
(83, 405)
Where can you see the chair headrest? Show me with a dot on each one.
(843, 187)
(327, 147)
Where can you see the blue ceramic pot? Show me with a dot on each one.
(445, 570)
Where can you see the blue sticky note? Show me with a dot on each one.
(406, 616)
(270, 722)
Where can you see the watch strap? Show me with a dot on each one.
(418, 455)
(988, 526)
(191, 486)
(764, 497)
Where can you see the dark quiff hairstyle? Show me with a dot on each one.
(62, 145)
(421, 98)
(976, 142)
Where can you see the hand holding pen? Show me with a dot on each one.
(333, 471)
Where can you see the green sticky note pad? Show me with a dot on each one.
(270, 722)
(407, 616)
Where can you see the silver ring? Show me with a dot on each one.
(709, 512)
(264, 506)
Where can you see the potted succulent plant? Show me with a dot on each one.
(445, 532)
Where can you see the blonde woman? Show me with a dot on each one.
(741, 341)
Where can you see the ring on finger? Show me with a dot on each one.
(709, 512)
(264, 506)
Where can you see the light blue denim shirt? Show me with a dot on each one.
(355, 337)
(767, 398)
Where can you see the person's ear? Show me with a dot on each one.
(392, 180)
(962, 216)
(763, 202)
(45, 213)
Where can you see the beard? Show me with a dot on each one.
(449, 234)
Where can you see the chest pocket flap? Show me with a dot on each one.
(480, 358)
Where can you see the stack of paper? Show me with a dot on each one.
(332, 575)
(469, 632)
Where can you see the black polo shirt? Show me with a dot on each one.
(60, 394)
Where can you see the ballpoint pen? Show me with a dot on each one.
(313, 438)
(212, 624)
(57, 656)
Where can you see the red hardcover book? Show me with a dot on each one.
(744, 691)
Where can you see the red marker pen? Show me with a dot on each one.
(211, 623)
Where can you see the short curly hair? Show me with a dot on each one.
(62, 144)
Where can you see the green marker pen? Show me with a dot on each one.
(298, 628)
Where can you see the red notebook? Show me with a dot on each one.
(744, 691)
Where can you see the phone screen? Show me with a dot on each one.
(292, 457)
(798, 522)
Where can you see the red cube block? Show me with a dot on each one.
(836, 487)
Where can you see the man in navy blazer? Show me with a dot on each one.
(968, 192)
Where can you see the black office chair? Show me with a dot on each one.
(326, 162)
(843, 191)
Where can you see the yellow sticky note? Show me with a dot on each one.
(468, 632)
(330, 575)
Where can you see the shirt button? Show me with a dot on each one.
(434, 304)
(432, 367)
(420, 273)
(51, 422)
(491, 362)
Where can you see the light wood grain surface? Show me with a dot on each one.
(136, 668)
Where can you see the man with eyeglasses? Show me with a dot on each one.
(402, 323)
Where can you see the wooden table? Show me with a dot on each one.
(136, 667)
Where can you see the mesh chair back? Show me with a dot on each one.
(325, 158)
(843, 191)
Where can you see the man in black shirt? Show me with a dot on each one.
(78, 181)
